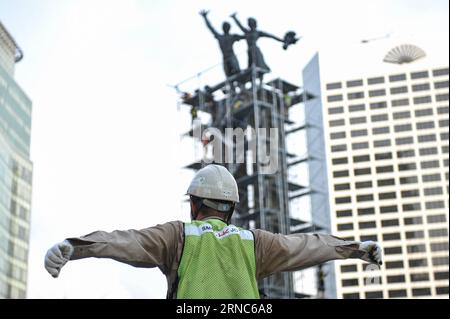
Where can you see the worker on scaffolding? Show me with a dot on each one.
(209, 257)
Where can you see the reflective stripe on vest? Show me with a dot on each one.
(218, 261)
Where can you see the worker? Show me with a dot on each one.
(209, 257)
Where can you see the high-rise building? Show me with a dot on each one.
(15, 173)
(380, 140)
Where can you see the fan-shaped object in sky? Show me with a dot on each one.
(405, 53)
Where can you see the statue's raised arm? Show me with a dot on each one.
(204, 14)
(239, 24)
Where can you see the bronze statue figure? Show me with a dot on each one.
(226, 41)
(255, 56)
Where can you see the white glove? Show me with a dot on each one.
(57, 257)
(373, 251)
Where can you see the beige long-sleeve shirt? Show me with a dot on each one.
(161, 246)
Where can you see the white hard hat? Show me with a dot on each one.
(214, 182)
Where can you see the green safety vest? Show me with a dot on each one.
(218, 261)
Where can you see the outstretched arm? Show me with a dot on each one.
(204, 14)
(268, 35)
(150, 247)
(244, 29)
(276, 252)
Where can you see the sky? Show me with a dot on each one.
(106, 129)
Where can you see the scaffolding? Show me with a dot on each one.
(245, 101)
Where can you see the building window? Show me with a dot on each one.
(354, 83)
(444, 136)
(402, 115)
(374, 93)
(408, 179)
(440, 261)
(394, 264)
(342, 187)
(440, 232)
(427, 138)
(414, 234)
(432, 219)
(339, 148)
(349, 268)
(441, 97)
(357, 107)
(334, 86)
(360, 145)
(350, 282)
(403, 127)
(367, 225)
(380, 130)
(422, 99)
(364, 198)
(388, 209)
(385, 169)
(335, 123)
(343, 200)
(386, 182)
(440, 72)
(433, 191)
(421, 262)
(418, 220)
(356, 133)
(362, 171)
(425, 125)
(335, 98)
(395, 279)
(337, 135)
(377, 80)
(389, 222)
(399, 90)
(406, 153)
(397, 293)
(400, 102)
(404, 140)
(441, 275)
(411, 207)
(338, 174)
(397, 77)
(344, 227)
(388, 195)
(358, 120)
(442, 290)
(374, 295)
(361, 158)
(412, 249)
(441, 85)
(366, 211)
(354, 295)
(431, 178)
(435, 204)
(355, 95)
(423, 112)
(443, 110)
(368, 238)
(391, 236)
(429, 164)
(336, 110)
(340, 160)
(410, 193)
(365, 184)
(443, 123)
(420, 277)
(421, 292)
(419, 75)
(439, 246)
(393, 251)
(383, 156)
(421, 87)
(344, 213)
(407, 167)
(382, 143)
(379, 117)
